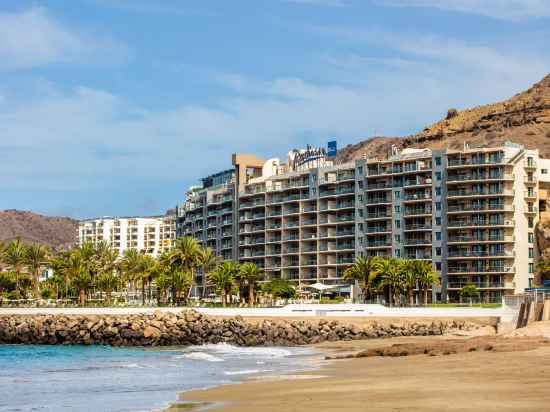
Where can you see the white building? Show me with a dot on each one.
(152, 235)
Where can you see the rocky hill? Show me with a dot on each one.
(58, 232)
(524, 119)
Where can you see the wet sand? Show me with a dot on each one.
(469, 381)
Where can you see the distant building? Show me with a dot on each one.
(152, 235)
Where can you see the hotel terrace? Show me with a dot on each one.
(472, 213)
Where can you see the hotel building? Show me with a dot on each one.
(152, 235)
(471, 212)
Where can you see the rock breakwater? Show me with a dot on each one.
(193, 328)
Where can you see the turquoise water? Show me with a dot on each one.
(100, 378)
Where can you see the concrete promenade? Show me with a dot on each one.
(295, 310)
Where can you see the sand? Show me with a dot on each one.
(468, 381)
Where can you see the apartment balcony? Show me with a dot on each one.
(417, 227)
(475, 161)
(378, 244)
(309, 209)
(345, 190)
(289, 225)
(309, 236)
(530, 180)
(479, 285)
(417, 212)
(379, 215)
(378, 200)
(292, 238)
(479, 239)
(476, 193)
(345, 176)
(417, 197)
(417, 242)
(530, 164)
(417, 182)
(345, 233)
(480, 177)
(379, 171)
(418, 255)
(292, 198)
(345, 246)
(473, 269)
(276, 239)
(309, 222)
(480, 208)
(378, 186)
(309, 249)
(227, 222)
(274, 226)
(275, 213)
(459, 254)
(291, 250)
(531, 210)
(479, 222)
(530, 194)
(378, 229)
(345, 261)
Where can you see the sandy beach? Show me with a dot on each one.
(483, 380)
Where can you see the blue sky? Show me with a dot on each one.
(115, 107)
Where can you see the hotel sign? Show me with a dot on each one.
(309, 157)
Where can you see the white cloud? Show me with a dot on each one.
(498, 9)
(33, 38)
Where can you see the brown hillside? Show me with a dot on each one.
(58, 232)
(524, 119)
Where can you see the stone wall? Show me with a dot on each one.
(193, 328)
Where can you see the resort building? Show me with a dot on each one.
(471, 212)
(152, 235)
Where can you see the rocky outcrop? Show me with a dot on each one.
(523, 119)
(193, 328)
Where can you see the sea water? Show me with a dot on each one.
(102, 378)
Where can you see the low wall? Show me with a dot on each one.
(193, 328)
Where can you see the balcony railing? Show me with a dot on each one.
(482, 253)
(499, 176)
(473, 269)
(479, 285)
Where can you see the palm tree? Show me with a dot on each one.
(427, 278)
(146, 274)
(131, 266)
(75, 269)
(410, 273)
(392, 277)
(365, 270)
(35, 258)
(185, 255)
(14, 257)
(250, 274)
(223, 277)
(543, 271)
(108, 282)
(181, 282)
(207, 260)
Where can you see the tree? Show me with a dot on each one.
(469, 291)
(82, 282)
(35, 258)
(108, 282)
(15, 257)
(280, 289)
(181, 282)
(250, 274)
(392, 277)
(543, 271)
(163, 283)
(223, 278)
(185, 255)
(131, 266)
(410, 272)
(365, 270)
(207, 260)
(427, 278)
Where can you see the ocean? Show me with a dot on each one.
(102, 378)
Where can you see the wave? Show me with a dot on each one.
(246, 372)
(199, 356)
(230, 350)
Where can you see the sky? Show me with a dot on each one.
(116, 107)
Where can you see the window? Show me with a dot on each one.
(437, 205)
(360, 184)
(361, 241)
(397, 209)
(397, 253)
(438, 161)
(360, 226)
(530, 192)
(530, 282)
(438, 221)
(360, 170)
(438, 191)
(360, 198)
(397, 224)
(438, 176)
(531, 267)
(360, 212)
(530, 237)
(544, 171)
(397, 238)
(438, 251)
(437, 235)
(397, 194)
(530, 222)
(437, 265)
(531, 252)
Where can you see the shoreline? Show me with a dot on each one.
(479, 380)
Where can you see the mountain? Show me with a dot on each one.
(524, 119)
(53, 231)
